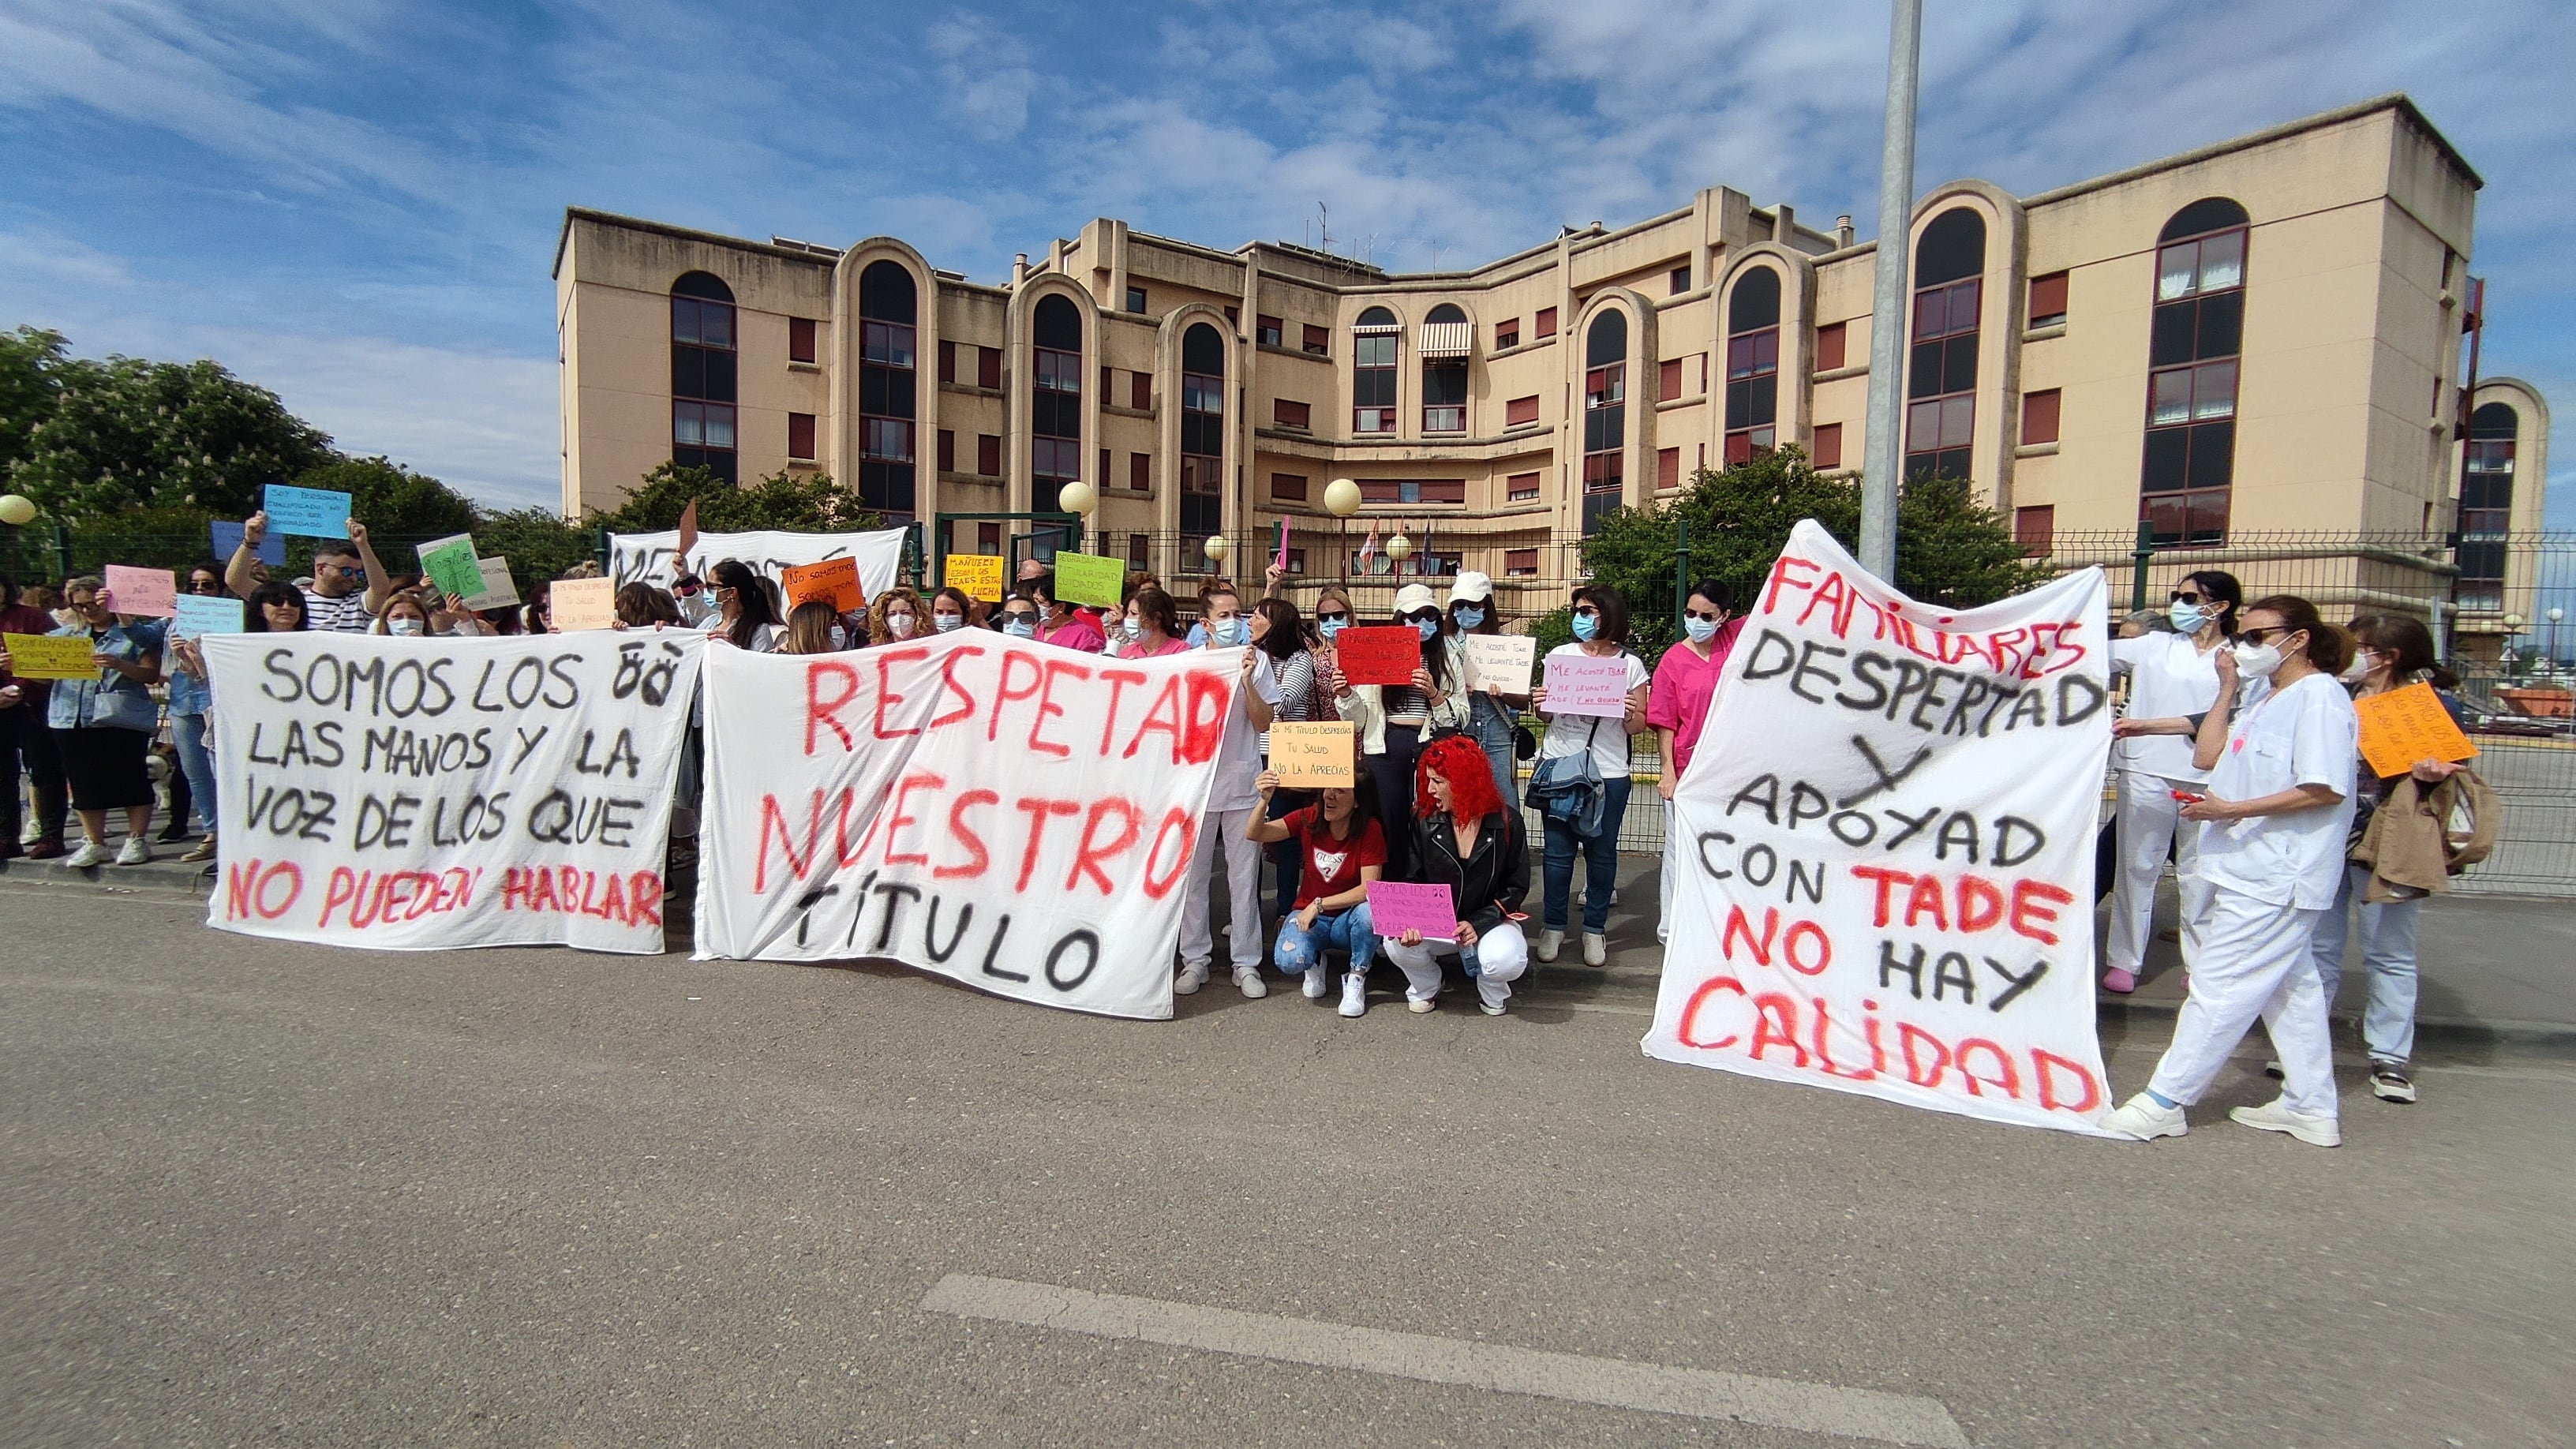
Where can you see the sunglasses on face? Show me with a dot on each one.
(1711, 615)
(1336, 616)
(205, 586)
(2253, 638)
(343, 570)
(2187, 596)
(1586, 611)
(1423, 616)
(1019, 613)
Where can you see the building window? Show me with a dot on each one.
(1288, 414)
(948, 362)
(2188, 474)
(1444, 379)
(1140, 391)
(988, 368)
(1375, 341)
(800, 437)
(1296, 560)
(1055, 400)
(1668, 467)
(1520, 488)
(1521, 411)
(1269, 332)
(1138, 545)
(1752, 365)
(800, 339)
(2486, 507)
(1831, 340)
(2039, 416)
(1319, 340)
(1103, 475)
(2035, 529)
(1507, 334)
(1288, 487)
(1520, 563)
(947, 451)
(1941, 380)
(1545, 323)
(1202, 436)
(1681, 279)
(1140, 472)
(988, 455)
(1605, 414)
(1668, 380)
(1426, 490)
(988, 538)
(703, 366)
(2048, 300)
(1829, 446)
(1136, 299)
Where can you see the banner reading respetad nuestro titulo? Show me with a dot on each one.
(1889, 847)
(428, 794)
(1012, 815)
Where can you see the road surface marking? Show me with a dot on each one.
(1615, 1383)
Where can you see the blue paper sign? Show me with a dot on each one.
(195, 614)
(228, 536)
(311, 512)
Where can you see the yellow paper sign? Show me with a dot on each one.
(2401, 726)
(42, 656)
(583, 604)
(979, 574)
(1311, 756)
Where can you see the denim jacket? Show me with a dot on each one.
(187, 693)
(111, 700)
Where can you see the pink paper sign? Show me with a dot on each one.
(140, 591)
(1396, 907)
(1581, 684)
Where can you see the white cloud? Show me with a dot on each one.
(985, 74)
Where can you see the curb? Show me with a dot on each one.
(2545, 1036)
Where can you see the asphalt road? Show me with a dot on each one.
(272, 1194)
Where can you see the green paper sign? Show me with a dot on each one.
(450, 564)
(1082, 579)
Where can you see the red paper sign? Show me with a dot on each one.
(835, 581)
(1379, 654)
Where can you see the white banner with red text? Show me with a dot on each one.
(1887, 841)
(767, 552)
(416, 794)
(1011, 815)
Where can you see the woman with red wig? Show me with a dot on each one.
(1467, 840)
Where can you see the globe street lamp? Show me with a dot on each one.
(1081, 500)
(1342, 499)
(2554, 616)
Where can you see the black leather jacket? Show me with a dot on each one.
(1493, 879)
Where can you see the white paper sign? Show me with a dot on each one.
(1888, 880)
(1011, 815)
(429, 794)
(769, 552)
(1504, 659)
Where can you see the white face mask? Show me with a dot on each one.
(899, 625)
(2359, 669)
(945, 622)
(2259, 661)
(404, 627)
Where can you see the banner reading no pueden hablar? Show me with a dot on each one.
(768, 552)
(430, 794)
(1012, 815)
(1888, 834)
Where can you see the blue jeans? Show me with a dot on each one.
(197, 763)
(1600, 862)
(2387, 953)
(1299, 950)
(1287, 857)
(1490, 725)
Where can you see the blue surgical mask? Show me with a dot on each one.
(1020, 628)
(1585, 626)
(1232, 633)
(945, 622)
(1429, 629)
(2187, 618)
(1471, 618)
(1700, 630)
(1133, 628)
(1331, 627)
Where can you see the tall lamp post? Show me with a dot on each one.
(1885, 451)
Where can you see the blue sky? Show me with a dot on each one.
(355, 201)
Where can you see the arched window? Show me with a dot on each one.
(1055, 400)
(702, 375)
(1752, 365)
(2486, 506)
(1605, 414)
(1446, 336)
(887, 405)
(2199, 329)
(1941, 376)
(1375, 340)
(1202, 437)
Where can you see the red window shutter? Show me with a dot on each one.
(1668, 468)
(1520, 487)
(988, 367)
(1520, 561)
(1829, 446)
(2048, 299)
(1140, 472)
(1108, 375)
(2035, 528)
(1103, 474)
(1668, 380)
(947, 362)
(1830, 341)
(1507, 334)
(988, 455)
(1547, 322)
(2039, 416)
(947, 451)
(1319, 340)
(1521, 410)
(1292, 414)
(800, 435)
(988, 537)
(1140, 391)
(1290, 487)
(800, 339)
(1136, 545)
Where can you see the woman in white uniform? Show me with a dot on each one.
(2271, 855)
(2169, 675)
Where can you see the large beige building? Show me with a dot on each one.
(2257, 338)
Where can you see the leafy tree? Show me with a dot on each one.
(807, 503)
(92, 438)
(31, 361)
(536, 541)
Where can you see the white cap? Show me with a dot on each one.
(1413, 597)
(1471, 587)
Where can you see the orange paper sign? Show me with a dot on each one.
(2401, 726)
(835, 581)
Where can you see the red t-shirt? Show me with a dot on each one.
(1332, 866)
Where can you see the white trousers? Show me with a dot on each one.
(2255, 961)
(1672, 878)
(1243, 893)
(1500, 956)
(2146, 819)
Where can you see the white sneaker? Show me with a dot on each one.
(1420, 1004)
(2141, 1120)
(1249, 978)
(137, 850)
(1492, 996)
(1549, 943)
(1316, 983)
(1190, 979)
(2317, 1129)
(1354, 994)
(1596, 949)
(89, 854)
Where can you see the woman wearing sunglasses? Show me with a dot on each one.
(2272, 822)
(2170, 676)
(1391, 720)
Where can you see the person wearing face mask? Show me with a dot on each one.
(896, 617)
(1491, 710)
(1058, 622)
(1017, 617)
(745, 617)
(1392, 720)
(1233, 801)
(1279, 643)
(1600, 632)
(403, 618)
(2273, 822)
(949, 610)
(1340, 851)
(104, 725)
(1150, 628)
(1677, 705)
(2170, 675)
